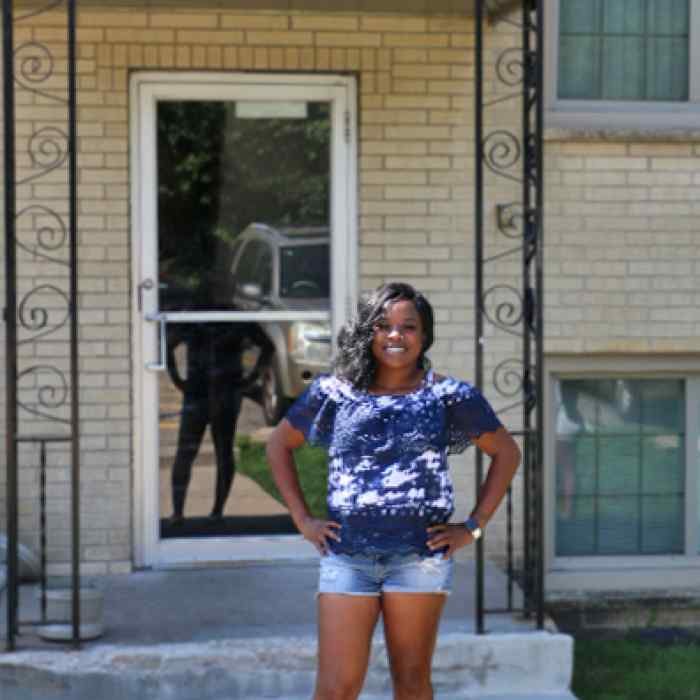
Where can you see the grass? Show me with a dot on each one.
(630, 669)
(312, 465)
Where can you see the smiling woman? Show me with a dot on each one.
(388, 422)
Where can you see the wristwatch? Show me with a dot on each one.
(472, 524)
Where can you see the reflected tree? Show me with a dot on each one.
(218, 173)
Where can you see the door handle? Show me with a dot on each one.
(161, 364)
(147, 285)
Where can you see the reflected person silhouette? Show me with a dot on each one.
(212, 392)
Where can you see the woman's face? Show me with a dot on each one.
(398, 338)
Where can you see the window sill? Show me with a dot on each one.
(621, 134)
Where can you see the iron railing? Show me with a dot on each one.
(40, 394)
(503, 307)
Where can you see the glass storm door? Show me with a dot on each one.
(245, 236)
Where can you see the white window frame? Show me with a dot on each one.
(614, 114)
(635, 572)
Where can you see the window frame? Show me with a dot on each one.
(621, 114)
(601, 572)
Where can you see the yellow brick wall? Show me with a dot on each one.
(620, 226)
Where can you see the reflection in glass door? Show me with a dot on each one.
(243, 225)
(247, 199)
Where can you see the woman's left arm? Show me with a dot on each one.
(504, 452)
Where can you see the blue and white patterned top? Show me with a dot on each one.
(388, 477)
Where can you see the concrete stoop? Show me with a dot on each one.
(519, 666)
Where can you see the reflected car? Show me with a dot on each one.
(285, 269)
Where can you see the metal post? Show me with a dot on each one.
(10, 324)
(73, 243)
(539, 278)
(478, 279)
(528, 444)
(42, 525)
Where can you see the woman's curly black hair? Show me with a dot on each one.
(354, 360)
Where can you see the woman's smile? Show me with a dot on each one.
(398, 339)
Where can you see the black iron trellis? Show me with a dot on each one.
(504, 307)
(46, 308)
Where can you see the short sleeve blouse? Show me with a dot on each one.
(388, 475)
(463, 414)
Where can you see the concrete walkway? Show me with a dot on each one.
(248, 631)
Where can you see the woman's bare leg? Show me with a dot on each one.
(410, 627)
(345, 627)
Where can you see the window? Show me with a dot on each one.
(625, 63)
(620, 466)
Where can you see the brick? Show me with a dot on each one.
(382, 177)
(176, 20)
(393, 148)
(412, 71)
(126, 18)
(256, 38)
(417, 102)
(143, 36)
(415, 56)
(416, 40)
(393, 24)
(194, 36)
(347, 39)
(418, 132)
(410, 86)
(326, 22)
(675, 164)
(270, 22)
(416, 193)
(417, 163)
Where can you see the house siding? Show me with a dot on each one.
(621, 232)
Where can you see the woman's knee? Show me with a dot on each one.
(412, 682)
(338, 689)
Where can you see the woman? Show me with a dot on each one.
(388, 422)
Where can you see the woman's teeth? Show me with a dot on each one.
(395, 350)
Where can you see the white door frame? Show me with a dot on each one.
(146, 89)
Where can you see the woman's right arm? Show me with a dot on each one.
(280, 456)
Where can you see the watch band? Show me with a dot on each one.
(472, 524)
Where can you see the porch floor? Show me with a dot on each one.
(245, 600)
(154, 617)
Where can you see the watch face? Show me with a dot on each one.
(473, 526)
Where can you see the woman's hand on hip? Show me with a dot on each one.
(318, 531)
(451, 535)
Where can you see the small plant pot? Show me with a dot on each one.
(59, 609)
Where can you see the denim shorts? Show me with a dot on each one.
(360, 574)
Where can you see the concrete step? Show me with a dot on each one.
(466, 667)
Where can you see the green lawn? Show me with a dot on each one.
(629, 669)
(312, 464)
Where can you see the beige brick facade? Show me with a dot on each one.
(621, 220)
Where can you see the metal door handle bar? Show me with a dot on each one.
(161, 364)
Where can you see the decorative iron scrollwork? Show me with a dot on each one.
(50, 229)
(502, 151)
(508, 377)
(34, 65)
(509, 219)
(49, 5)
(509, 67)
(48, 150)
(507, 313)
(51, 395)
(42, 232)
(35, 318)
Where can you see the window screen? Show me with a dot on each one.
(620, 466)
(624, 50)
